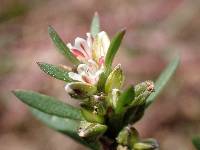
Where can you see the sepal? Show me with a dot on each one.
(92, 117)
(128, 136)
(91, 130)
(115, 79)
(95, 104)
(149, 144)
(80, 90)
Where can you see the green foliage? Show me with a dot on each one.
(112, 50)
(196, 142)
(55, 71)
(64, 125)
(163, 79)
(95, 25)
(48, 104)
(125, 99)
(107, 112)
(61, 46)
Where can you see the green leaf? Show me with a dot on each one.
(196, 142)
(61, 46)
(66, 126)
(48, 104)
(112, 50)
(125, 99)
(55, 71)
(134, 114)
(95, 25)
(163, 79)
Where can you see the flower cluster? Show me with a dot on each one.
(107, 112)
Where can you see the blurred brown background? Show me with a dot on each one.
(156, 31)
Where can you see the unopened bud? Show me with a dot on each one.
(91, 116)
(142, 91)
(149, 144)
(115, 79)
(95, 104)
(80, 90)
(120, 147)
(114, 97)
(128, 136)
(88, 129)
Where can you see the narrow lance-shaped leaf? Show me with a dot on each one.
(61, 46)
(114, 46)
(48, 104)
(95, 25)
(55, 71)
(196, 142)
(66, 126)
(163, 79)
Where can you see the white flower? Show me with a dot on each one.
(94, 48)
(91, 53)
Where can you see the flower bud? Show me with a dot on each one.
(120, 147)
(142, 91)
(91, 116)
(113, 98)
(145, 146)
(88, 129)
(115, 79)
(128, 136)
(80, 90)
(122, 137)
(95, 104)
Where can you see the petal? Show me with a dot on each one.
(93, 65)
(82, 68)
(100, 47)
(75, 76)
(89, 40)
(82, 45)
(105, 41)
(77, 53)
(69, 45)
(68, 89)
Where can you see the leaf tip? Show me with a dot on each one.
(16, 92)
(123, 31)
(39, 63)
(51, 30)
(96, 14)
